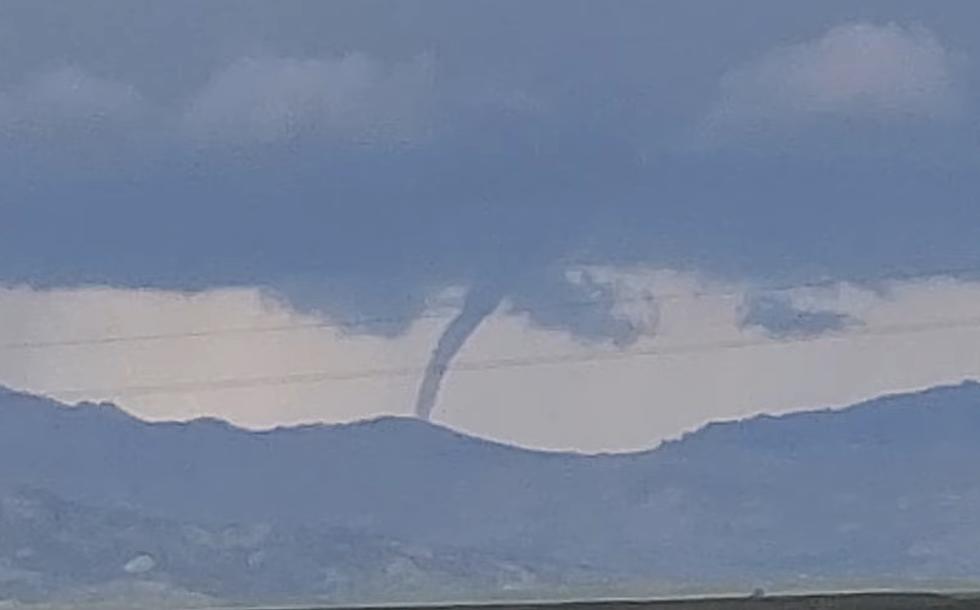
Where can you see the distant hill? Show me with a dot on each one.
(52, 550)
(883, 493)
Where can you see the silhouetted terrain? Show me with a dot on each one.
(882, 494)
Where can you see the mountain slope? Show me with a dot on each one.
(51, 549)
(880, 493)
(391, 475)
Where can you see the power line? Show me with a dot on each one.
(516, 362)
(444, 312)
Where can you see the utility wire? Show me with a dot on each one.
(445, 312)
(518, 362)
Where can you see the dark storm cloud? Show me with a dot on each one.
(357, 156)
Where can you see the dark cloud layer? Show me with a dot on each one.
(397, 149)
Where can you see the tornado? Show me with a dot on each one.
(480, 302)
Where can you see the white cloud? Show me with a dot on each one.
(855, 71)
(354, 97)
(697, 366)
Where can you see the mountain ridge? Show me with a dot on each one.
(412, 422)
(883, 491)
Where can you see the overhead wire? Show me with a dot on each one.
(445, 312)
(517, 362)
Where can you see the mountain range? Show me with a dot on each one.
(98, 505)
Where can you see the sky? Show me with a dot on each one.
(351, 170)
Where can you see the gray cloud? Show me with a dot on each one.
(523, 148)
(354, 97)
(780, 318)
(66, 97)
(576, 302)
